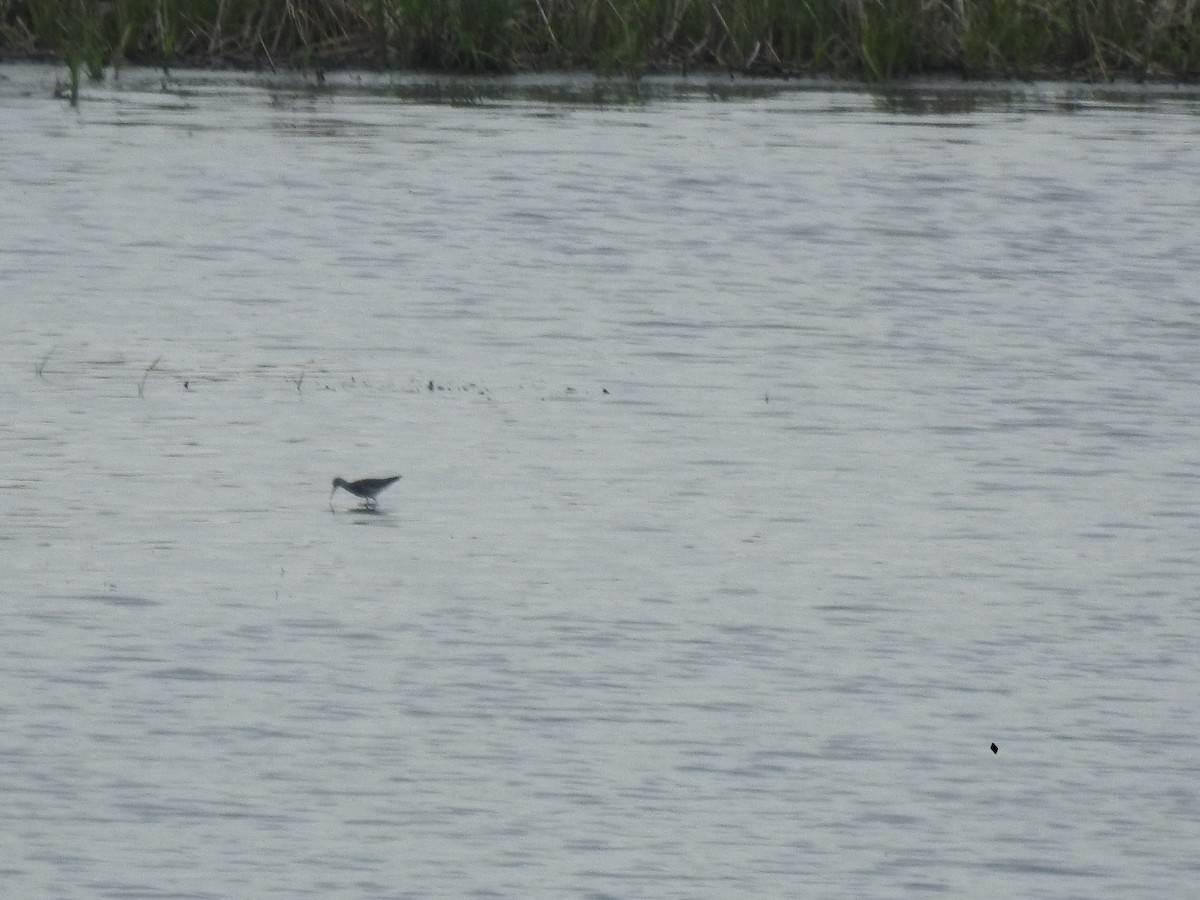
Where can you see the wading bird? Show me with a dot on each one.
(366, 488)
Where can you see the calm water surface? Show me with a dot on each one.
(767, 455)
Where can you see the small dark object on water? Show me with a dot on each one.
(366, 488)
(995, 749)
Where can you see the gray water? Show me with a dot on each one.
(769, 452)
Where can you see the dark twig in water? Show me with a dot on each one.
(142, 385)
(40, 368)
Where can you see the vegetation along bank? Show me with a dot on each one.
(862, 39)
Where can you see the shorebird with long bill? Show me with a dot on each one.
(366, 488)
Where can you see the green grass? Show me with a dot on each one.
(869, 39)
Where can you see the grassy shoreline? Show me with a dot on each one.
(860, 39)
